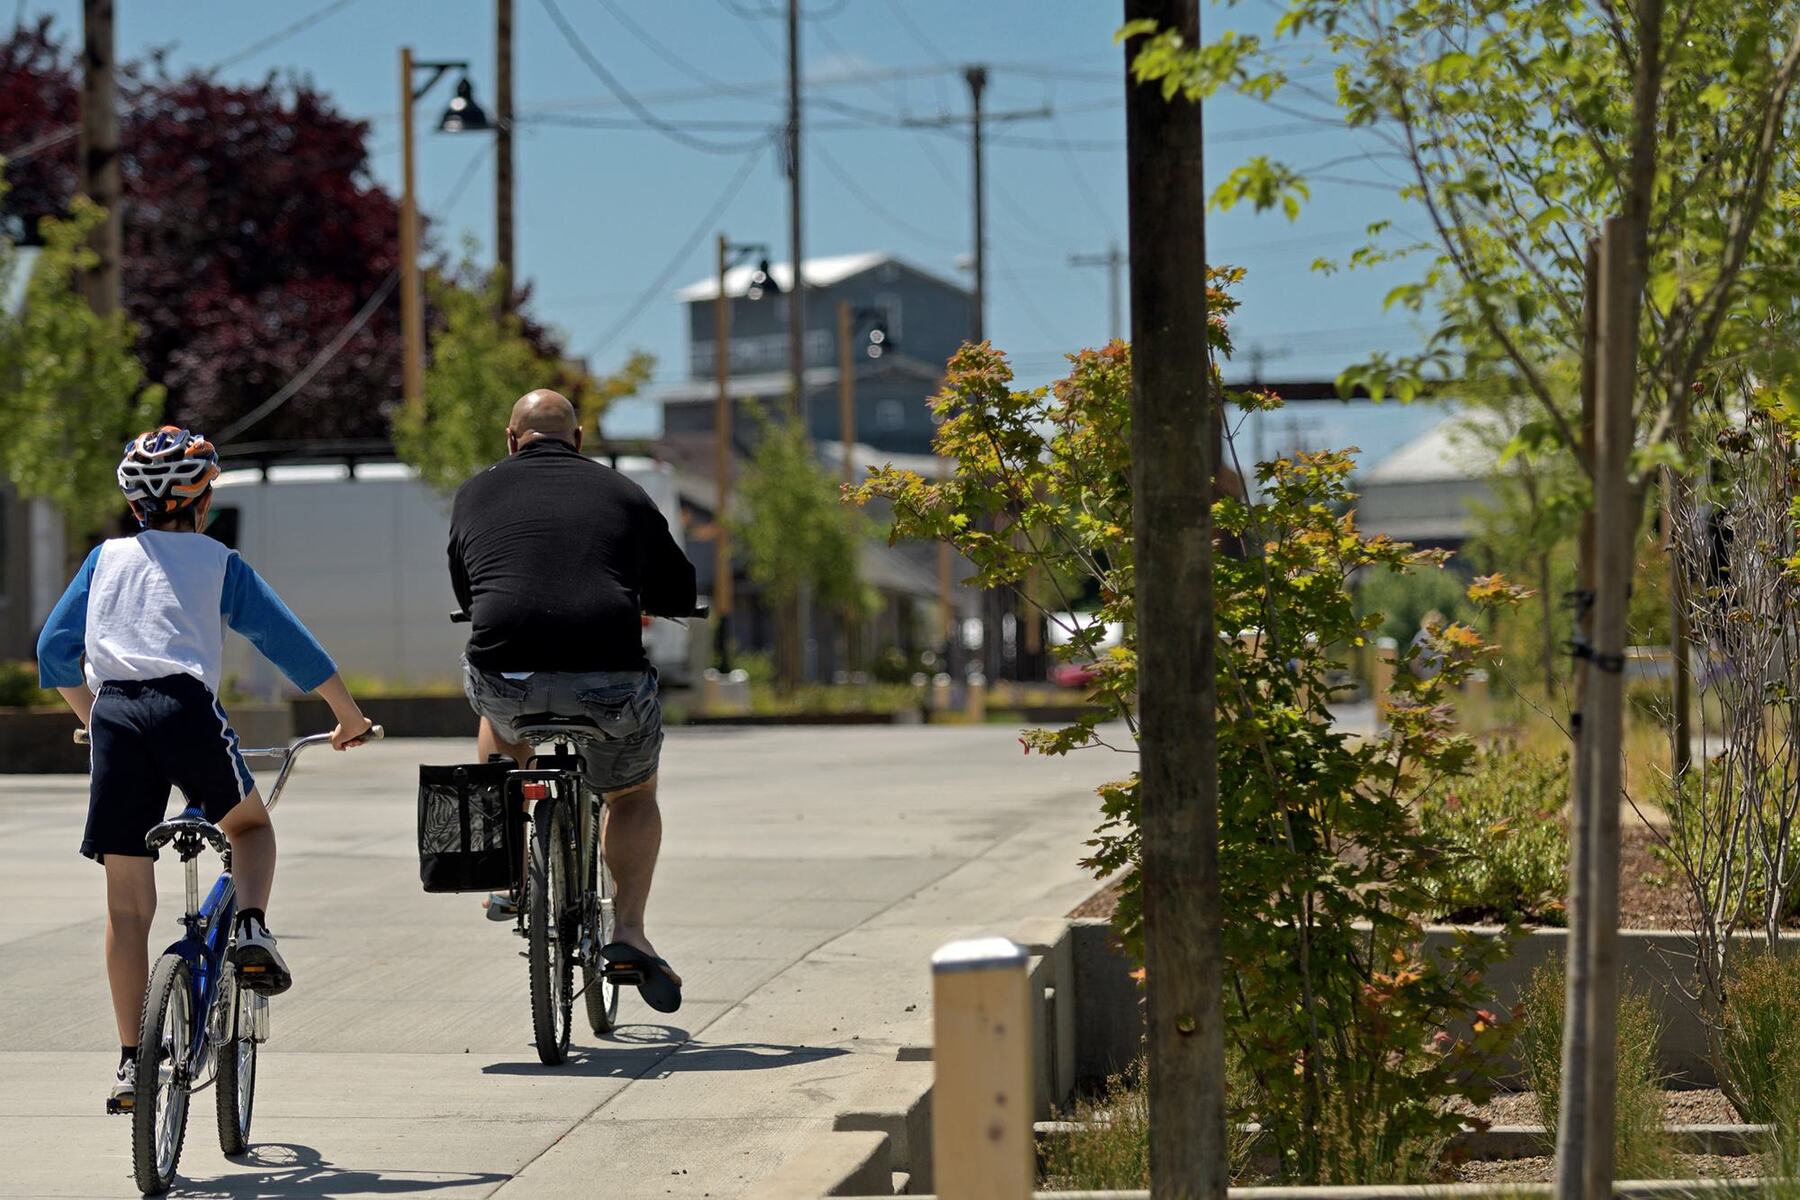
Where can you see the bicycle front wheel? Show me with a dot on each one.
(552, 915)
(234, 1084)
(164, 1075)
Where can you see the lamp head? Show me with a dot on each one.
(762, 283)
(464, 115)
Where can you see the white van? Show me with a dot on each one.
(359, 555)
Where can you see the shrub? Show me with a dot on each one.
(1499, 829)
(19, 686)
(1111, 1150)
(1642, 1151)
(1760, 1041)
(1400, 601)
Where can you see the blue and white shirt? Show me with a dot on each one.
(158, 604)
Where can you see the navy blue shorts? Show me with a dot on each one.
(149, 735)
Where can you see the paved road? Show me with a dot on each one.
(807, 875)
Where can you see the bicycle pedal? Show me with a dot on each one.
(116, 1107)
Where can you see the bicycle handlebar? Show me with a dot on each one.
(287, 754)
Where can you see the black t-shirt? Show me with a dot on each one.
(554, 556)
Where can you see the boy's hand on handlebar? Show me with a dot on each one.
(358, 735)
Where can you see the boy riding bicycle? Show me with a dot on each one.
(149, 615)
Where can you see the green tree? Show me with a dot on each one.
(479, 364)
(799, 541)
(72, 392)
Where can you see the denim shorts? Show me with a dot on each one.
(622, 704)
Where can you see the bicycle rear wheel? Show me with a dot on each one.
(234, 1083)
(549, 888)
(601, 994)
(164, 1075)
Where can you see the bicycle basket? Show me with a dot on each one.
(469, 837)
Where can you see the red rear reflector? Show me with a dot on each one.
(536, 790)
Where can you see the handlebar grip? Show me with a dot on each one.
(375, 734)
(81, 736)
(702, 611)
(459, 617)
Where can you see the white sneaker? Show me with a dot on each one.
(259, 964)
(124, 1088)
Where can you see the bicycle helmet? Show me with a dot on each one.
(167, 470)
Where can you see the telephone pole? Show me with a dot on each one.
(503, 150)
(796, 238)
(100, 152)
(1114, 262)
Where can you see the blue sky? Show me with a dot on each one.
(604, 208)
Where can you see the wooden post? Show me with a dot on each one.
(981, 1101)
(99, 148)
(1681, 690)
(503, 151)
(846, 332)
(1381, 679)
(722, 455)
(412, 320)
(1174, 447)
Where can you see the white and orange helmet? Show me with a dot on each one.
(167, 470)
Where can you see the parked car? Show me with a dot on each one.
(1081, 671)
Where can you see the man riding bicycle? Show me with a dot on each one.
(556, 557)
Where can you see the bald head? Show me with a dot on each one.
(542, 414)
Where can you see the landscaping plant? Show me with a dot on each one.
(1760, 1041)
(1733, 817)
(1342, 1022)
(1642, 1150)
(1500, 831)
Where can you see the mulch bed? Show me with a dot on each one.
(1697, 1106)
(1651, 895)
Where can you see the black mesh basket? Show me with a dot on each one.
(469, 836)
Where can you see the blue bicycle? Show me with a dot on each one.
(199, 1028)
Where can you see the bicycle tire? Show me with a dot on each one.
(602, 996)
(156, 1144)
(547, 889)
(234, 1081)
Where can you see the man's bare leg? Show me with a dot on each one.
(630, 839)
(130, 906)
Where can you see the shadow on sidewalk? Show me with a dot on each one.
(294, 1170)
(630, 1057)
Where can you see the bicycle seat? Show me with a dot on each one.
(188, 831)
(554, 723)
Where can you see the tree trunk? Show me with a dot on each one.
(1548, 609)
(1570, 1142)
(1681, 691)
(1173, 421)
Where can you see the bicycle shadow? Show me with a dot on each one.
(290, 1169)
(629, 1053)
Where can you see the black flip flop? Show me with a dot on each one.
(626, 964)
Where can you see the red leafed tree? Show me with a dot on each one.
(253, 233)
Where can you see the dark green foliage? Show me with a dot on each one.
(1499, 830)
(1761, 1038)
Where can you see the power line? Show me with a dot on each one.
(662, 51)
(917, 34)
(876, 207)
(631, 102)
(57, 137)
(655, 291)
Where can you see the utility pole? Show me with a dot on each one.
(1114, 262)
(100, 153)
(722, 583)
(1174, 458)
(846, 325)
(412, 324)
(796, 236)
(977, 77)
(503, 150)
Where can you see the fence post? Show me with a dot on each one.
(982, 1098)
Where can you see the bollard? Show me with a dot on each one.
(1386, 650)
(981, 1100)
(1477, 710)
(975, 699)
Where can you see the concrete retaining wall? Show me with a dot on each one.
(1109, 1016)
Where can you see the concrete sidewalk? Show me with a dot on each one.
(807, 875)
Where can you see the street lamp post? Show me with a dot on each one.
(462, 115)
(761, 284)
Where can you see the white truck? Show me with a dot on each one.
(359, 554)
